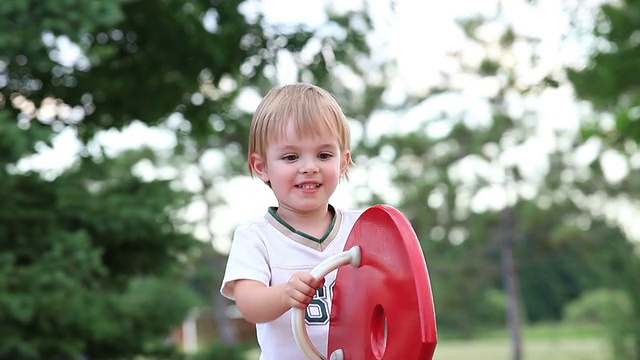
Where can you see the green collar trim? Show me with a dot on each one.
(272, 212)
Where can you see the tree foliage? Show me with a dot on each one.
(95, 258)
(610, 83)
(90, 263)
(610, 79)
(462, 168)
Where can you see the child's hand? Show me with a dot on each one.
(300, 290)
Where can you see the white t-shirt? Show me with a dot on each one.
(269, 251)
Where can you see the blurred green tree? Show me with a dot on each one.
(94, 259)
(611, 76)
(477, 187)
(609, 82)
(90, 263)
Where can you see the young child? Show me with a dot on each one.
(299, 145)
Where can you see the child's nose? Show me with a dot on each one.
(309, 166)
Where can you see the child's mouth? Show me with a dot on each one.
(308, 186)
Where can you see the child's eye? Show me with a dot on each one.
(290, 157)
(325, 156)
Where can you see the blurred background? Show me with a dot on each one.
(506, 131)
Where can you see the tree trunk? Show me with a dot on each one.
(510, 278)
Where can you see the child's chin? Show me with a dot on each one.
(310, 206)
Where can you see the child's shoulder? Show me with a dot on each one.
(352, 213)
(350, 216)
(251, 230)
(252, 224)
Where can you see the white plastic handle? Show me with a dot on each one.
(351, 256)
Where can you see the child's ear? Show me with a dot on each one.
(259, 167)
(346, 162)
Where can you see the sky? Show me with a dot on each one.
(419, 35)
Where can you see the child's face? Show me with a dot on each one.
(303, 171)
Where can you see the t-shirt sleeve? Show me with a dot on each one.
(247, 260)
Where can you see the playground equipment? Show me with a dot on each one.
(382, 304)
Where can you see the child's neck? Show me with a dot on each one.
(315, 222)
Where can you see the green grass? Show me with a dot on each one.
(548, 342)
(552, 331)
(545, 341)
(500, 349)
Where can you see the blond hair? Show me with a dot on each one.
(312, 109)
